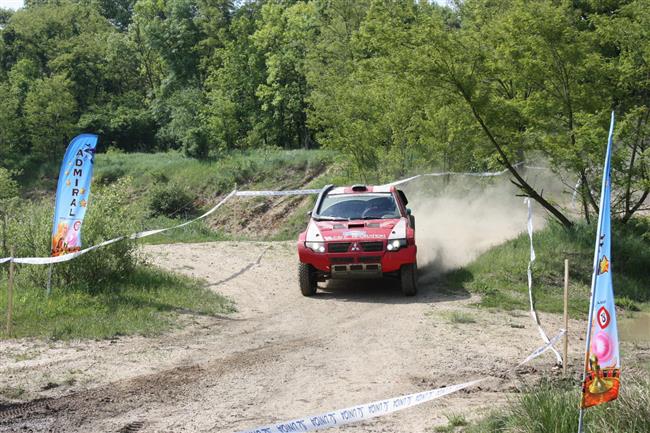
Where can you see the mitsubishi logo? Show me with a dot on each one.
(355, 247)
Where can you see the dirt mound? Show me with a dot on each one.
(266, 217)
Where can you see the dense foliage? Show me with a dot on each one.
(395, 86)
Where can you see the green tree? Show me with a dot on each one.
(118, 12)
(50, 116)
(284, 35)
(233, 112)
(170, 28)
(624, 38)
(5, 15)
(185, 127)
(524, 75)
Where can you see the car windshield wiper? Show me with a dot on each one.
(383, 217)
(331, 219)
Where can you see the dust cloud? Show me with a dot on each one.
(459, 218)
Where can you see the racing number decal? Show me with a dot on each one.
(603, 317)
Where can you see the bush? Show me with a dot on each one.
(172, 200)
(29, 232)
(8, 186)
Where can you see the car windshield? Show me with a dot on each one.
(358, 206)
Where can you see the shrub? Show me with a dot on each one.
(29, 232)
(8, 186)
(172, 200)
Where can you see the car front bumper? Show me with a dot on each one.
(358, 264)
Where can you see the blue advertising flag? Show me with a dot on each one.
(601, 379)
(72, 194)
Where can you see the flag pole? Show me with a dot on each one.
(595, 268)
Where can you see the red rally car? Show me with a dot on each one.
(358, 232)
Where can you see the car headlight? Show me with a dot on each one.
(317, 247)
(395, 244)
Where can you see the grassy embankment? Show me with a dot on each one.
(169, 188)
(113, 291)
(499, 275)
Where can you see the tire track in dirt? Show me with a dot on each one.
(119, 397)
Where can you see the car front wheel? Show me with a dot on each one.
(307, 279)
(409, 277)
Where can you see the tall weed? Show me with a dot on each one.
(553, 408)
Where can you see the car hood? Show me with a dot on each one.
(361, 229)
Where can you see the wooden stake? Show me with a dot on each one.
(10, 294)
(235, 209)
(48, 287)
(566, 316)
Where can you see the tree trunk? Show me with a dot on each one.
(585, 204)
(520, 182)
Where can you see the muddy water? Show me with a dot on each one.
(636, 328)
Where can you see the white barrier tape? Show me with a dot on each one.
(139, 235)
(362, 412)
(64, 258)
(408, 179)
(533, 313)
(359, 413)
(449, 173)
(537, 352)
(277, 193)
(457, 173)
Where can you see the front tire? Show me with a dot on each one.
(307, 279)
(409, 277)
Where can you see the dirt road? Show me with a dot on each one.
(280, 356)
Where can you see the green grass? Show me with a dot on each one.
(499, 275)
(460, 317)
(262, 168)
(192, 233)
(552, 407)
(453, 421)
(149, 302)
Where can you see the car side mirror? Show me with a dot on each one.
(309, 214)
(408, 211)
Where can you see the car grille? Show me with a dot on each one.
(338, 247)
(370, 259)
(341, 260)
(372, 246)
